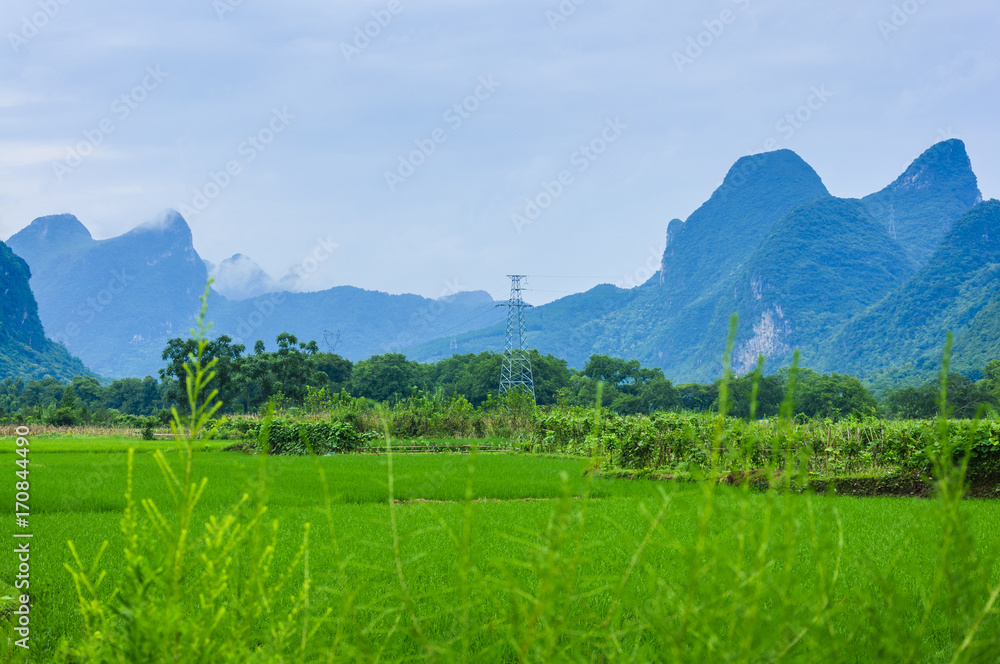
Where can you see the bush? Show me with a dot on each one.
(284, 435)
(148, 426)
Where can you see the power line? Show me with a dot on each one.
(542, 290)
(483, 310)
(550, 276)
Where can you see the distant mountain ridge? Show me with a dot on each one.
(801, 268)
(865, 286)
(116, 302)
(704, 257)
(664, 322)
(821, 264)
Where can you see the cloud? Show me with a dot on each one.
(15, 154)
(325, 174)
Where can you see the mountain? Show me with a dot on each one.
(664, 322)
(116, 302)
(955, 291)
(352, 322)
(921, 205)
(702, 259)
(863, 286)
(240, 278)
(800, 268)
(819, 266)
(24, 350)
(722, 234)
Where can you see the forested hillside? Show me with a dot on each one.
(819, 266)
(920, 206)
(956, 291)
(24, 349)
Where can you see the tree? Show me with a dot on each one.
(629, 388)
(387, 377)
(585, 389)
(965, 397)
(912, 403)
(336, 369)
(41, 393)
(253, 377)
(629, 404)
(991, 379)
(288, 373)
(176, 355)
(659, 394)
(833, 395)
(68, 412)
(88, 390)
(550, 374)
(476, 377)
(697, 397)
(136, 396)
(613, 371)
(292, 369)
(770, 394)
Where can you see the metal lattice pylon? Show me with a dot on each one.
(515, 374)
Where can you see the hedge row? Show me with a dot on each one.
(686, 442)
(673, 441)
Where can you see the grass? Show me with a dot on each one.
(8, 596)
(890, 549)
(441, 444)
(514, 559)
(90, 443)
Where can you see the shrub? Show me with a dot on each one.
(285, 435)
(148, 426)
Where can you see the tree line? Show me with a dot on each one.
(248, 381)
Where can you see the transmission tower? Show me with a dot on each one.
(515, 373)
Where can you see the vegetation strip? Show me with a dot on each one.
(426, 501)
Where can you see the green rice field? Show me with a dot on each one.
(507, 557)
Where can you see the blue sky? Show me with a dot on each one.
(277, 124)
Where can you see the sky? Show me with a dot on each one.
(441, 145)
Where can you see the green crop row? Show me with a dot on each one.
(673, 441)
(688, 442)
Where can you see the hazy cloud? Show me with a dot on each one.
(324, 174)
